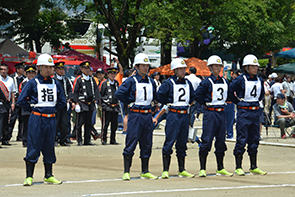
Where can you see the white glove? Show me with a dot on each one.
(77, 108)
(95, 106)
(68, 106)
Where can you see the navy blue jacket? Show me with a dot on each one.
(237, 90)
(29, 95)
(126, 92)
(204, 90)
(165, 92)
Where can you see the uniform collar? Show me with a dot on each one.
(249, 76)
(140, 77)
(111, 82)
(177, 78)
(41, 78)
(215, 78)
(58, 77)
(85, 77)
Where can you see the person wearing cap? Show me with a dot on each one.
(42, 96)
(62, 114)
(138, 91)
(100, 77)
(30, 74)
(288, 86)
(85, 95)
(176, 94)
(110, 106)
(213, 93)
(246, 91)
(8, 106)
(284, 114)
(17, 77)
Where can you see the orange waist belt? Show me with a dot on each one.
(251, 108)
(141, 110)
(43, 115)
(214, 109)
(178, 111)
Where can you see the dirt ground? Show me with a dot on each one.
(97, 170)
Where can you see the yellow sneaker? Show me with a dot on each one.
(165, 175)
(126, 176)
(148, 175)
(202, 173)
(52, 180)
(185, 174)
(28, 181)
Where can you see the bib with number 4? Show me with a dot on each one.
(181, 94)
(219, 93)
(252, 90)
(144, 93)
(47, 94)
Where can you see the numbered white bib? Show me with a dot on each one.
(252, 90)
(219, 93)
(144, 93)
(47, 94)
(181, 94)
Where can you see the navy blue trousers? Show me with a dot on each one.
(176, 129)
(41, 135)
(248, 127)
(139, 130)
(213, 126)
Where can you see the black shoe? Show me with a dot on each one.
(6, 143)
(19, 139)
(56, 144)
(114, 143)
(79, 143)
(69, 141)
(89, 144)
(64, 144)
(103, 143)
(25, 144)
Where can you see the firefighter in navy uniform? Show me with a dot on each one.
(110, 106)
(30, 73)
(62, 114)
(17, 77)
(42, 96)
(177, 94)
(212, 93)
(85, 94)
(246, 91)
(138, 92)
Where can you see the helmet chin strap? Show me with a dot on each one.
(140, 72)
(178, 77)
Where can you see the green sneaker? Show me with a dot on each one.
(240, 172)
(257, 171)
(202, 173)
(52, 180)
(223, 172)
(148, 175)
(185, 174)
(165, 175)
(126, 176)
(28, 181)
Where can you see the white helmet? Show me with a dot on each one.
(250, 60)
(274, 75)
(141, 58)
(177, 63)
(214, 59)
(45, 59)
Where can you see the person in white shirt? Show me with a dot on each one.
(195, 82)
(157, 79)
(8, 81)
(276, 89)
(288, 86)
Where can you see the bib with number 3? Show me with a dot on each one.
(252, 90)
(219, 92)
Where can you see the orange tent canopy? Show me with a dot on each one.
(199, 64)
